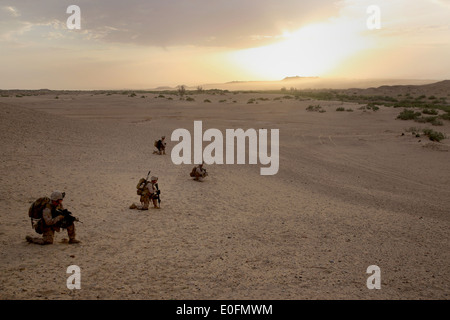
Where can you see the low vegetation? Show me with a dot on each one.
(434, 135)
(315, 108)
(430, 133)
(435, 120)
(407, 101)
(408, 114)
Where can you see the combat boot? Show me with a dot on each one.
(36, 240)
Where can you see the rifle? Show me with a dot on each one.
(158, 192)
(68, 218)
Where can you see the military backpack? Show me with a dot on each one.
(140, 187)
(35, 213)
(36, 208)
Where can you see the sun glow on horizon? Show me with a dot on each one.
(314, 50)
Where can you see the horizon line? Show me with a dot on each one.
(287, 78)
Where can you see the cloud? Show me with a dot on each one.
(11, 11)
(229, 23)
(233, 24)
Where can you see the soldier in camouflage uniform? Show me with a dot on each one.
(149, 194)
(51, 224)
(200, 172)
(161, 146)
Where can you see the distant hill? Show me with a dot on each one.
(316, 83)
(298, 78)
(164, 88)
(440, 89)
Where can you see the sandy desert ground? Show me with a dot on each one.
(351, 192)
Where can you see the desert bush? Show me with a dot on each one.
(434, 135)
(445, 116)
(316, 108)
(190, 99)
(432, 119)
(372, 106)
(430, 111)
(340, 109)
(207, 100)
(425, 119)
(407, 114)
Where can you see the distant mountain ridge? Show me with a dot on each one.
(437, 89)
(298, 78)
(362, 86)
(319, 83)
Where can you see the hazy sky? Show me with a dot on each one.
(144, 44)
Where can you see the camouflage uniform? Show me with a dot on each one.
(161, 145)
(200, 173)
(153, 195)
(149, 194)
(145, 199)
(50, 225)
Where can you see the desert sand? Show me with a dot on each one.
(354, 189)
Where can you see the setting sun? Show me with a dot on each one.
(313, 50)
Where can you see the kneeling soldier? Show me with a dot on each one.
(150, 192)
(52, 221)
